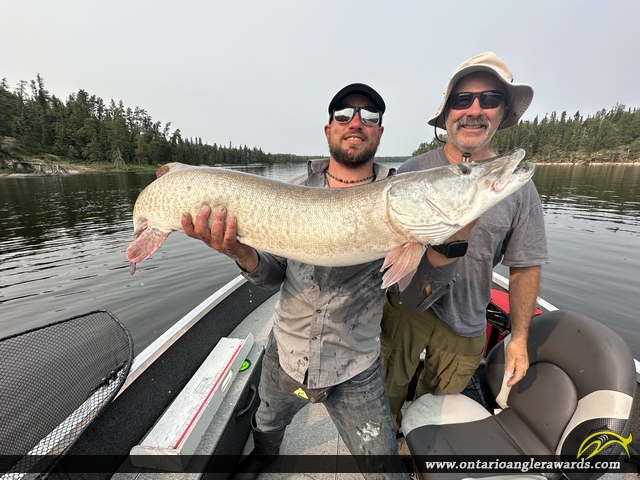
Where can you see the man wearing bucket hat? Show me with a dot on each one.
(480, 99)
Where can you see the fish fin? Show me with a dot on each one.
(147, 241)
(401, 264)
(169, 167)
(406, 280)
(435, 234)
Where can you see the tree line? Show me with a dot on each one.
(34, 123)
(606, 136)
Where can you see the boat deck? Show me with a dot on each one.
(312, 431)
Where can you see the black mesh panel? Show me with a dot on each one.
(55, 380)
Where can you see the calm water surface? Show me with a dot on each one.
(62, 243)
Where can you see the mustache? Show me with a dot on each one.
(474, 122)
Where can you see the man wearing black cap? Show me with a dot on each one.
(324, 345)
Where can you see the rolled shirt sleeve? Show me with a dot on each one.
(414, 297)
(270, 272)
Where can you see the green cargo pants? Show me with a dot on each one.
(450, 359)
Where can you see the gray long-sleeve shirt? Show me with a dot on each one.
(327, 320)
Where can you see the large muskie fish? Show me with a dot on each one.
(392, 218)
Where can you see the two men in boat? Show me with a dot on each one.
(324, 342)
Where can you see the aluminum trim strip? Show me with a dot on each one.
(161, 344)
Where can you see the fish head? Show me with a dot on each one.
(446, 199)
(476, 187)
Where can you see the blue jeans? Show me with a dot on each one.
(358, 407)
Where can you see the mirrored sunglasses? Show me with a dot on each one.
(489, 99)
(368, 115)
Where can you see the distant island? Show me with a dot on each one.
(39, 131)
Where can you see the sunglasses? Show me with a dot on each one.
(489, 99)
(368, 115)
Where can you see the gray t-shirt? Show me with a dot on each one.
(512, 232)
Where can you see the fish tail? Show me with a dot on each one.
(146, 242)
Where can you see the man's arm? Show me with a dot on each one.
(433, 276)
(524, 283)
(439, 260)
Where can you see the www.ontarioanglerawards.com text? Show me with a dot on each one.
(520, 466)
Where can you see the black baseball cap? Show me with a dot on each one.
(357, 89)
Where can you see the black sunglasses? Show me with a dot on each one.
(488, 99)
(368, 115)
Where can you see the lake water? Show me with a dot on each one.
(62, 244)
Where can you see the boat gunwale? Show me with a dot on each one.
(149, 355)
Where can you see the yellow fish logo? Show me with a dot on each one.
(301, 393)
(601, 440)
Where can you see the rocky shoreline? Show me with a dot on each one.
(38, 168)
(51, 169)
(587, 164)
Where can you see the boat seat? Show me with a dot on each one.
(581, 381)
(54, 381)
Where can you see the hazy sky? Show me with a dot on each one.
(262, 72)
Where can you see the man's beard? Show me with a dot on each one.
(341, 155)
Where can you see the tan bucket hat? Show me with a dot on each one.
(519, 94)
